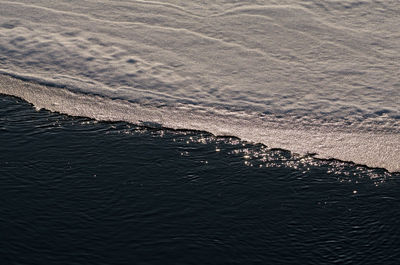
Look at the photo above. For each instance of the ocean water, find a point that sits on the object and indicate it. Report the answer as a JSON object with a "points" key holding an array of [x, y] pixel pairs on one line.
{"points": [[79, 191], [199, 132]]}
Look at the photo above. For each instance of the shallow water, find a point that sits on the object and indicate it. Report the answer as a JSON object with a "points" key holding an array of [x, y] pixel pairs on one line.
{"points": [[78, 191]]}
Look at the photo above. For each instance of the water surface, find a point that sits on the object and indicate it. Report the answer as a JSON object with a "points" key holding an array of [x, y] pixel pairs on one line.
{"points": [[78, 191]]}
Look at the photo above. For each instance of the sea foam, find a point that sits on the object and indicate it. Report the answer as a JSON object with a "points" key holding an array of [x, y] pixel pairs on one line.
{"points": [[308, 76]]}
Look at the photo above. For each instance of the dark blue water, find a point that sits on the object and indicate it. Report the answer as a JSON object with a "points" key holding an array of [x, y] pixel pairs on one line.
{"points": [[76, 191]]}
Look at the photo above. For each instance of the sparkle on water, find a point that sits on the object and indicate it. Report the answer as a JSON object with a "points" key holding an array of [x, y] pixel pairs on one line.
{"points": [[259, 155]]}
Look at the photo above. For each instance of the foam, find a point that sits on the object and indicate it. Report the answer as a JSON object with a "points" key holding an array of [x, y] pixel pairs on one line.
{"points": [[304, 67], [362, 147]]}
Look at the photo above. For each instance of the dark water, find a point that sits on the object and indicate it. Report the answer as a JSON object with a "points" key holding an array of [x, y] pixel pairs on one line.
{"points": [[74, 191]]}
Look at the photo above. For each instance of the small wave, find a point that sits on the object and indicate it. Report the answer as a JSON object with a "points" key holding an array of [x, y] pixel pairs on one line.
{"points": [[373, 149]]}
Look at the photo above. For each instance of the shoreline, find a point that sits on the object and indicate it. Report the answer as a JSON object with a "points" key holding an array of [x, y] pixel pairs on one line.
{"points": [[157, 127]]}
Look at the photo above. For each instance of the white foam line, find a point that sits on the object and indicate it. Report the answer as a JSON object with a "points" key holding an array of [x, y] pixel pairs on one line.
{"points": [[380, 150]]}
